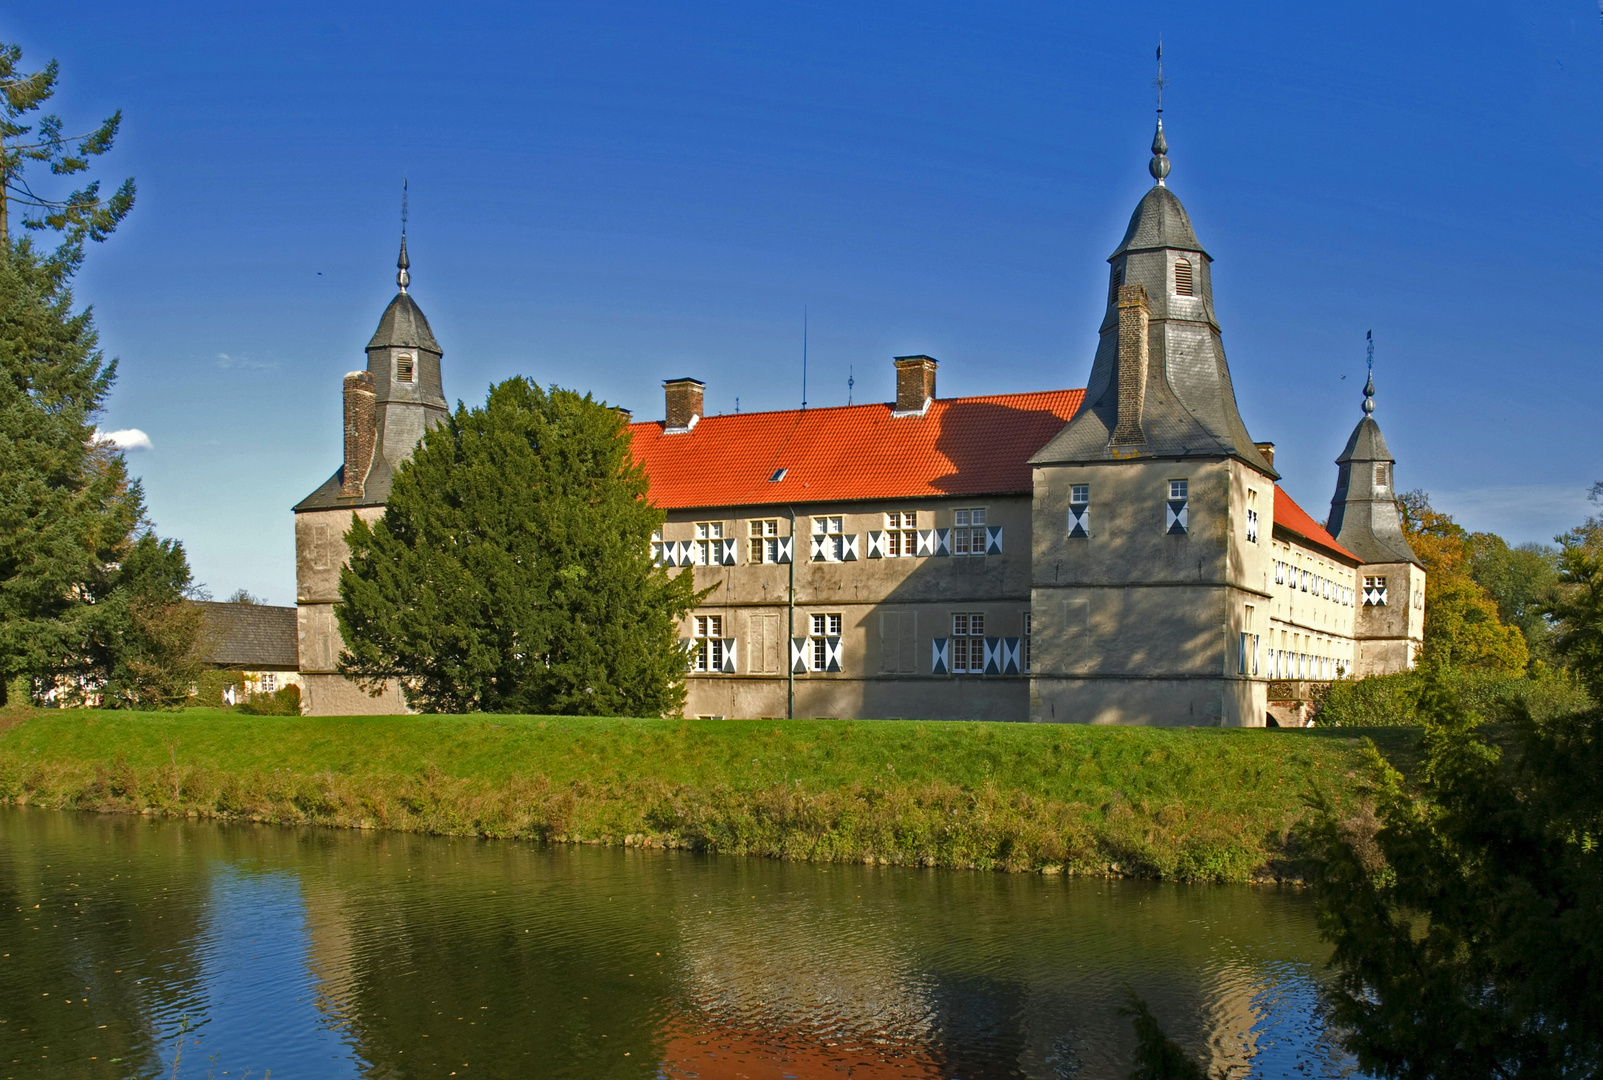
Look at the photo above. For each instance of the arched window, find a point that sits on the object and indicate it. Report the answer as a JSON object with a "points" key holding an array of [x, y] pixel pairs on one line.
{"points": [[1182, 277]]}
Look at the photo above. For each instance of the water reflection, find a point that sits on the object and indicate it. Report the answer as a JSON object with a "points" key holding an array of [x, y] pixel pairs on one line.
{"points": [[332, 954]]}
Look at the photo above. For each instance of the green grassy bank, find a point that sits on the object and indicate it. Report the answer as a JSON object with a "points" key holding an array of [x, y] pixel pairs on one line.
{"points": [[1191, 804]]}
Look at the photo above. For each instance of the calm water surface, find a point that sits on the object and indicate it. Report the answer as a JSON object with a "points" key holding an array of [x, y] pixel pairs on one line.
{"points": [[328, 954]]}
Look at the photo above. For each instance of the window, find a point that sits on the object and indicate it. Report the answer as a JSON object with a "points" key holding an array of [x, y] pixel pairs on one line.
{"points": [[708, 547], [1252, 517], [403, 368], [268, 683], [828, 543], [968, 642], [1182, 277], [1026, 641], [1080, 510], [1280, 572], [1382, 476], [1374, 592], [764, 540], [1114, 282], [656, 546], [825, 643], [968, 532], [901, 533], [1175, 519], [708, 649]]}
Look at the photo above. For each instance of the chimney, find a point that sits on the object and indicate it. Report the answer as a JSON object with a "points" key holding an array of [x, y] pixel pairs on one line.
{"points": [[683, 403], [1133, 316], [627, 415], [361, 431], [1267, 449], [915, 384]]}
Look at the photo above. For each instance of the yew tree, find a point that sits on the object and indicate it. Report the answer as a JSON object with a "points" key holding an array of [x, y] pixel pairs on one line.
{"points": [[511, 569]]}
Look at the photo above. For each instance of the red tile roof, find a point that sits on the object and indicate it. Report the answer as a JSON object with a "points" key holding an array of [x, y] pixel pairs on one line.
{"points": [[1293, 518], [960, 446]]}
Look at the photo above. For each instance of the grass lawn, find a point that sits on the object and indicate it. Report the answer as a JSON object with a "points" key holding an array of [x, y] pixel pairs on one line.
{"points": [[1195, 803]]}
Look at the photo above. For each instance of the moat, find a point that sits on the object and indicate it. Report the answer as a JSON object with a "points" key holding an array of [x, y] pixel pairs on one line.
{"points": [[328, 954]]}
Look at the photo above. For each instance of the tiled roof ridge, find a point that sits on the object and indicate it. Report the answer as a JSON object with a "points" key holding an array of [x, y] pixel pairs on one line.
{"points": [[886, 405], [1289, 515]]}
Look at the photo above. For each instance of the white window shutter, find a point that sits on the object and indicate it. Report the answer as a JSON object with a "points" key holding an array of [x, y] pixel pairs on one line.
{"points": [[729, 655], [993, 540], [728, 553], [939, 657], [1010, 656], [1079, 520], [832, 654], [876, 544], [926, 542], [849, 548], [943, 541], [820, 549], [993, 656], [786, 548], [1176, 516], [798, 654], [689, 645]]}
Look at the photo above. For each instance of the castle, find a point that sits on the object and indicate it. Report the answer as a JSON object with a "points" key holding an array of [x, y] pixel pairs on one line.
{"points": [[1118, 554]]}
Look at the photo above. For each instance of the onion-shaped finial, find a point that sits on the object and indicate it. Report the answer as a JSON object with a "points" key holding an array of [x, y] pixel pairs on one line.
{"points": [[1159, 165]]}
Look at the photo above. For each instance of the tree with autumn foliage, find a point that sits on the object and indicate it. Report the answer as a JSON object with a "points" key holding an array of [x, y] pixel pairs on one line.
{"points": [[1462, 625]]}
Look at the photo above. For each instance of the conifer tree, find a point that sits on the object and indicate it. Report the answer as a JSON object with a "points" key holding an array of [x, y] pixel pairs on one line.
{"points": [[87, 594], [511, 571]]}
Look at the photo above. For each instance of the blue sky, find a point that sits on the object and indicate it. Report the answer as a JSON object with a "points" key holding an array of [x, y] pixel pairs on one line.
{"points": [[607, 195]]}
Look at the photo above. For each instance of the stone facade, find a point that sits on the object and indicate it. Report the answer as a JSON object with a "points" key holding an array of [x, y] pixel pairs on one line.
{"points": [[1121, 554]]}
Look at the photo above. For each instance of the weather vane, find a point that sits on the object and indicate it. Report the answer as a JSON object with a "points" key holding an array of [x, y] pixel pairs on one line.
{"points": [[1369, 386], [1160, 82], [403, 265]]}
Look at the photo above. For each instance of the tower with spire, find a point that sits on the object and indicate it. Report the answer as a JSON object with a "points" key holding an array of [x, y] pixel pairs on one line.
{"points": [[1149, 557], [389, 406], [1363, 517]]}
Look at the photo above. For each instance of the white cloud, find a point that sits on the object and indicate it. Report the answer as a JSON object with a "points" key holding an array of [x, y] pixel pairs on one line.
{"points": [[226, 362], [126, 439]]}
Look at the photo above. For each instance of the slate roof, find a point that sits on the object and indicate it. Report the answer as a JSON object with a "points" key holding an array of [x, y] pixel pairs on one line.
{"points": [[1159, 221], [403, 326], [1294, 519], [960, 446], [252, 637]]}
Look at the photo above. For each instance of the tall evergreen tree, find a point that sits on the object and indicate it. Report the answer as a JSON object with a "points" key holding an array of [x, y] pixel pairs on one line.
{"points": [[511, 569], [88, 595]]}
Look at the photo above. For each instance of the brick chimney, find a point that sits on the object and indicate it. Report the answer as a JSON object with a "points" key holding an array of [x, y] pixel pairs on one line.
{"points": [[915, 384], [1267, 449], [683, 403], [361, 431], [1133, 316]]}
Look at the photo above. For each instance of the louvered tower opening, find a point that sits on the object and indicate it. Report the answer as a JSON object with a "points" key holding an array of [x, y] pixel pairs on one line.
{"points": [[1114, 283], [1182, 278]]}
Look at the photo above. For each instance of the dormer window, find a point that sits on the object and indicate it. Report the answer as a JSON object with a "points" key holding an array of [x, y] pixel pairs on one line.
{"points": [[1182, 278], [403, 369]]}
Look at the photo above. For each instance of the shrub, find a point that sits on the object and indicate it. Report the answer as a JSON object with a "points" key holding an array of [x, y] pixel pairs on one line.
{"points": [[1393, 700], [285, 701]]}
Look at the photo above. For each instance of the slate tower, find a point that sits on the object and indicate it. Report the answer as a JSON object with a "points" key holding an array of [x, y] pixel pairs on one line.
{"points": [[1149, 505], [388, 407], [1363, 516]]}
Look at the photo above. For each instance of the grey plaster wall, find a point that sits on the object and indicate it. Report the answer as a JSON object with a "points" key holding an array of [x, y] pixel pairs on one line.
{"points": [[892, 609], [1151, 620]]}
